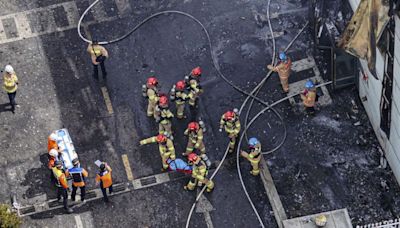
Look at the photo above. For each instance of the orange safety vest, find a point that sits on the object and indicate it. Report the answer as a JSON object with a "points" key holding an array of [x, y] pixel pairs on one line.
{"points": [[105, 178]]}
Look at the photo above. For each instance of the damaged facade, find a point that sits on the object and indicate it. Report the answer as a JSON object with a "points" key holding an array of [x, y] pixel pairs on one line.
{"points": [[381, 96]]}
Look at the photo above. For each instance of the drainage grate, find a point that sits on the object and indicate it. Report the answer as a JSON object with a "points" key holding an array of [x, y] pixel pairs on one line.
{"points": [[119, 188], [147, 181], [54, 203], [90, 195]]}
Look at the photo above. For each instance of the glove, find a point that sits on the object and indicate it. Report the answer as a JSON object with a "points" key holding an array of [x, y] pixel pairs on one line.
{"points": [[142, 142], [196, 145]]}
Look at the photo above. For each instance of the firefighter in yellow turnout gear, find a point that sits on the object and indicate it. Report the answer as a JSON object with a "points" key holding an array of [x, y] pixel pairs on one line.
{"points": [[254, 156], [163, 116], [150, 91], [230, 121], [179, 95], [199, 173], [165, 146], [194, 87], [195, 138]]}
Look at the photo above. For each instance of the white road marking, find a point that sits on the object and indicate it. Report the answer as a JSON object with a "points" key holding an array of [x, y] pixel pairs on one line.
{"points": [[204, 206], [78, 221], [72, 13], [99, 12], [2, 32], [22, 23]]}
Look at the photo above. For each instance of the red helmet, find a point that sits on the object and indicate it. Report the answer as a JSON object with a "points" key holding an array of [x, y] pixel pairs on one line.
{"points": [[163, 101], [161, 138], [152, 81], [192, 157], [196, 71], [193, 126], [180, 85], [229, 115]]}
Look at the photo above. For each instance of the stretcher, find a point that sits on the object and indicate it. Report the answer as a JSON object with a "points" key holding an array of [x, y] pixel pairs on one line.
{"points": [[179, 165], [66, 147]]}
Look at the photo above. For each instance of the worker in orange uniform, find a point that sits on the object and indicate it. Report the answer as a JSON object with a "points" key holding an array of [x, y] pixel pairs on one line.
{"points": [[98, 54], [163, 116], [284, 69], [194, 89], [199, 174], [10, 85], [78, 175], [309, 96], [52, 141], [62, 185], [254, 155], [105, 179], [230, 121], [178, 94], [165, 147], [195, 138], [54, 155], [150, 91]]}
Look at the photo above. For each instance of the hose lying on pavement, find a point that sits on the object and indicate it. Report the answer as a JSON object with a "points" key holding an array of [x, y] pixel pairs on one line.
{"points": [[251, 95]]}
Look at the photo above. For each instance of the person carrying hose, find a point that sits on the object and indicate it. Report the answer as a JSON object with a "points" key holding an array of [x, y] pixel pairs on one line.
{"points": [[165, 146], [230, 121], [284, 69], [199, 174], [254, 156], [150, 91]]}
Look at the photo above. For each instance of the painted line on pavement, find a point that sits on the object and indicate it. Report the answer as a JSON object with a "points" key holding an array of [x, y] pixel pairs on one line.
{"points": [[78, 221], [107, 100], [127, 166]]}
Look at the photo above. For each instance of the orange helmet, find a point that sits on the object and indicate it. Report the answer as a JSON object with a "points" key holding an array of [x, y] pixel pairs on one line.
{"points": [[163, 101], [193, 126], [192, 157], [161, 138], [229, 115], [196, 71], [180, 85], [152, 81]]}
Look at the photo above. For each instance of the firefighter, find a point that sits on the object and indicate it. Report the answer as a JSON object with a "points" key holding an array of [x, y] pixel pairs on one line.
{"points": [[105, 180], [150, 91], [230, 121], [199, 173], [254, 156], [163, 116], [178, 94], [194, 88], [98, 55], [308, 96], [165, 146], [62, 185], [195, 138], [78, 175], [284, 69]]}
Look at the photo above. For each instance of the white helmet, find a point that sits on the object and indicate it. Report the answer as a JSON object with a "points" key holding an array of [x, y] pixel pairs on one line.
{"points": [[53, 152], [53, 136], [9, 69]]}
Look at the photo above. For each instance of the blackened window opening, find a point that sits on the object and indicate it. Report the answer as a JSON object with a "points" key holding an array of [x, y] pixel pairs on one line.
{"points": [[387, 49]]}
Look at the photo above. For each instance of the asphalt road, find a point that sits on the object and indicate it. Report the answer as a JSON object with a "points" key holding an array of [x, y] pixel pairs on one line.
{"points": [[57, 91]]}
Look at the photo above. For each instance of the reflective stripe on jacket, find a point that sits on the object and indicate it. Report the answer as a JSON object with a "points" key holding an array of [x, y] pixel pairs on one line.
{"points": [[78, 175]]}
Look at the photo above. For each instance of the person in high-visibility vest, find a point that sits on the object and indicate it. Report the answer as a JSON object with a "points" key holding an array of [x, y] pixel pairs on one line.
{"points": [[309, 96], [254, 155], [165, 146], [195, 138], [150, 91], [284, 68], [105, 179], [178, 94], [10, 85], [78, 175], [231, 123], [61, 184], [98, 54], [199, 174], [163, 116]]}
